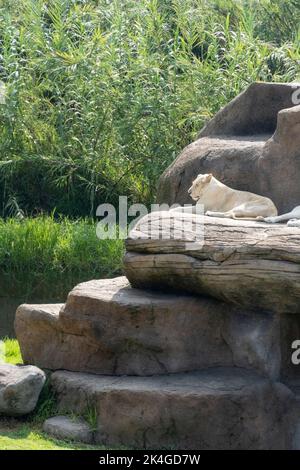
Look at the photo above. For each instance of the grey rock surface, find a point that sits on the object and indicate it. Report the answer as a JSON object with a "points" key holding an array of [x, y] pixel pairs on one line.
{"points": [[70, 429], [219, 408], [20, 387], [107, 327]]}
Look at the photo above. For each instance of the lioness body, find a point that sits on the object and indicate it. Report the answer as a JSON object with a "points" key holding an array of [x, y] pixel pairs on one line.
{"points": [[221, 201]]}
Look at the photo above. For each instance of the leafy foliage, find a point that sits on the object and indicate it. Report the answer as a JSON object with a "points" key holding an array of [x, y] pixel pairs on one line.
{"points": [[101, 95]]}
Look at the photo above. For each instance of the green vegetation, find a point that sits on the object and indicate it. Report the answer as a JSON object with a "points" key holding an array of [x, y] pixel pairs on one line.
{"points": [[12, 351], [102, 94], [15, 435], [91, 417], [43, 257], [25, 433]]}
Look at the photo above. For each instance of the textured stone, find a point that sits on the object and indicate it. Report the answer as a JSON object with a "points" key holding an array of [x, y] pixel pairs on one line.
{"points": [[242, 262], [37, 326], [20, 387], [73, 429], [212, 409], [294, 386], [279, 165], [106, 327], [245, 148]]}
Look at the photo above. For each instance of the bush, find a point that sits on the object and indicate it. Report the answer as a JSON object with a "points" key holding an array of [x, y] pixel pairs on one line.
{"points": [[102, 95], [41, 257]]}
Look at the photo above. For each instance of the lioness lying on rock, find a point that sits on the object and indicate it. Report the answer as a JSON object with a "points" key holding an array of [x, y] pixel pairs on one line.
{"points": [[221, 201]]}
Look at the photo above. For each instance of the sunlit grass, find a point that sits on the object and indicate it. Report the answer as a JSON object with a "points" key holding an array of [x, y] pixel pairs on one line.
{"points": [[17, 436], [12, 353]]}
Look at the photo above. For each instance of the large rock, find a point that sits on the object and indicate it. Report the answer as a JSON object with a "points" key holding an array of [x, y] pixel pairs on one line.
{"points": [[37, 328], [251, 144], [20, 387], [241, 262], [107, 327], [212, 409]]}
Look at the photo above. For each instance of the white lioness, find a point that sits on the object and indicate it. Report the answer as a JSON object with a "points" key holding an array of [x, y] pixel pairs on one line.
{"points": [[221, 201]]}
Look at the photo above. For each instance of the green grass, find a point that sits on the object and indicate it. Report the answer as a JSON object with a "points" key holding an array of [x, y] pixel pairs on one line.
{"points": [[102, 95], [12, 353], [43, 257], [16, 435]]}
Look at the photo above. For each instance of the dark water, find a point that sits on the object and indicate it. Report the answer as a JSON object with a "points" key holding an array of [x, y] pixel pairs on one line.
{"points": [[39, 290], [8, 307], [31, 289]]}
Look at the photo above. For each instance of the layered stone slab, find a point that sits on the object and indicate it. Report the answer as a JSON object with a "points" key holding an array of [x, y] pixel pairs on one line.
{"points": [[253, 264], [219, 408], [107, 327]]}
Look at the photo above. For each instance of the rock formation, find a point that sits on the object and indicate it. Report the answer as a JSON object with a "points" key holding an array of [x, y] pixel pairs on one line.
{"points": [[194, 353], [217, 367], [107, 327]]}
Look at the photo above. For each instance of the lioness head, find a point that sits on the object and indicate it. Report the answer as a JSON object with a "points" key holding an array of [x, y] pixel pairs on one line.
{"points": [[198, 186]]}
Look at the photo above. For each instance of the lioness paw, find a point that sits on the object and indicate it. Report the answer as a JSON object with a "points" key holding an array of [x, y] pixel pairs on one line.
{"points": [[294, 223]]}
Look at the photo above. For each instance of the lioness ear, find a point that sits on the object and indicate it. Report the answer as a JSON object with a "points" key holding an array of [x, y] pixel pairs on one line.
{"points": [[208, 177], [198, 178]]}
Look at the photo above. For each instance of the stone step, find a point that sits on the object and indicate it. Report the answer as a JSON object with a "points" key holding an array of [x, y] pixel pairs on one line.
{"points": [[69, 428], [107, 327], [217, 408]]}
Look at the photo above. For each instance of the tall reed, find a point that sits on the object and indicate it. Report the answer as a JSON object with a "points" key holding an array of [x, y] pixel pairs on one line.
{"points": [[102, 94]]}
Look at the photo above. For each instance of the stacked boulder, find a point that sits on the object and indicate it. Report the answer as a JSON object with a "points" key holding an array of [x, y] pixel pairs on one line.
{"points": [[192, 349], [168, 368]]}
